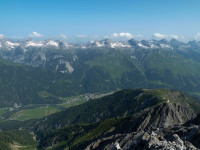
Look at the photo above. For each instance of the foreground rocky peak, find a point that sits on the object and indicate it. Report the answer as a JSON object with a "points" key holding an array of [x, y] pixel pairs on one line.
{"points": [[142, 141], [165, 115], [159, 127]]}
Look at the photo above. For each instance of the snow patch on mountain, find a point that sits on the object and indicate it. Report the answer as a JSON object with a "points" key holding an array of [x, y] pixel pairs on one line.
{"points": [[67, 45], [141, 45], [99, 44], [51, 43], [119, 44], [11, 45], [34, 44], [165, 46]]}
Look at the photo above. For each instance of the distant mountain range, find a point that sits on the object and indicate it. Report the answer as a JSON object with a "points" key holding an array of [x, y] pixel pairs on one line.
{"points": [[60, 69], [132, 43], [62, 56]]}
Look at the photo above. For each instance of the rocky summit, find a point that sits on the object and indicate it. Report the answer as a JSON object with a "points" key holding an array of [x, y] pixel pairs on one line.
{"points": [[160, 127], [166, 115]]}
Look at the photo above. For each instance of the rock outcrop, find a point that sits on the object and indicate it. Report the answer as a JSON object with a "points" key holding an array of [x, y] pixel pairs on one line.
{"points": [[158, 128], [165, 115], [142, 141]]}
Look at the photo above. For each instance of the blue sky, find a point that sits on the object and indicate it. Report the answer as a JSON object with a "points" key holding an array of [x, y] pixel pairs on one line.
{"points": [[82, 20]]}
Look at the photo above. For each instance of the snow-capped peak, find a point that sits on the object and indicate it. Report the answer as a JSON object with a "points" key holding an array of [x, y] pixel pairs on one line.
{"points": [[10, 44], [119, 44], [108, 43], [141, 45], [34, 44], [51, 43], [68, 45]]}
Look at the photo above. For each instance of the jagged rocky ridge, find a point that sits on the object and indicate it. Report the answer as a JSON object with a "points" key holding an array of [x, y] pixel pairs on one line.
{"points": [[161, 127]]}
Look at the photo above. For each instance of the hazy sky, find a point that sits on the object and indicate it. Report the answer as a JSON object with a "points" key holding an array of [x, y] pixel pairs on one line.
{"points": [[79, 20]]}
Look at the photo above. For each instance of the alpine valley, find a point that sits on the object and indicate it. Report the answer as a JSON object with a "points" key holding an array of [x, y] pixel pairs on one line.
{"points": [[102, 95]]}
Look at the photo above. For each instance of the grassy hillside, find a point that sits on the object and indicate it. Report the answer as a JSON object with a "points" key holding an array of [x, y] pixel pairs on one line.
{"points": [[114, 62], [25, 85], [35, 113], [123, 72], [78, 136], [122, 103], [170, 70], [22, 140], [142, 68]]}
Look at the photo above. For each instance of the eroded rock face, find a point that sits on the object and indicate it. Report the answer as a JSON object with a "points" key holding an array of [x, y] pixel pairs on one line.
{"points": [[142, 141], [157, 128], [166, 115]]}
